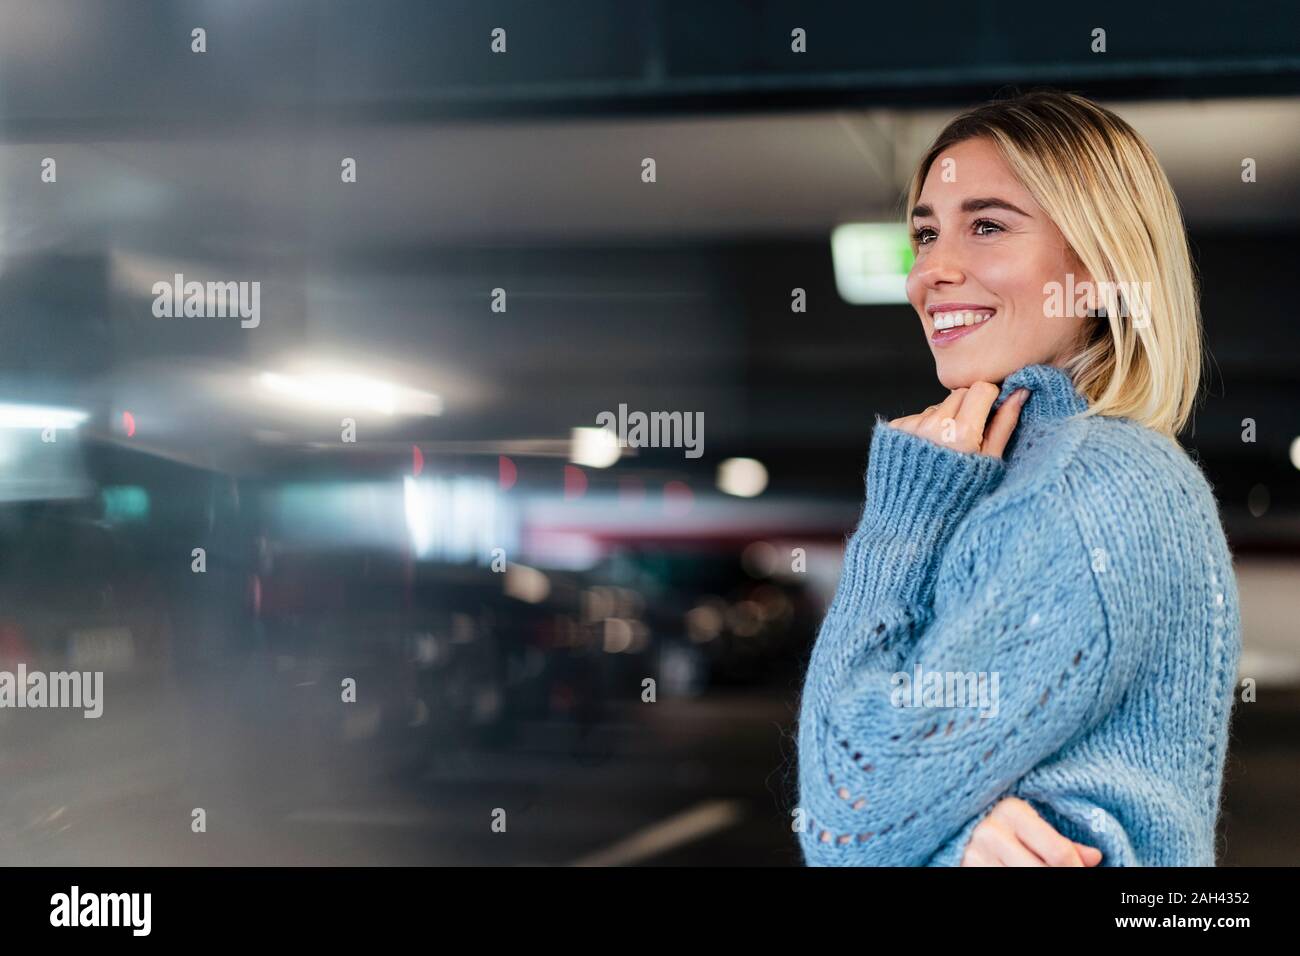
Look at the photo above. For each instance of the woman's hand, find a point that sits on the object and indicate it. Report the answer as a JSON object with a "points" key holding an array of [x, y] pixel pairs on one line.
{"points": [[1013, 834], [961, 421]]}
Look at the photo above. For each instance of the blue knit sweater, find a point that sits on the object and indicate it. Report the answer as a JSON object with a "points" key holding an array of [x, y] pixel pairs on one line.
{"points": [[1059, 625]]}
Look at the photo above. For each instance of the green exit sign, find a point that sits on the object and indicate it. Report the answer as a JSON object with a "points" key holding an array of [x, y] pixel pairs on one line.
{"points": [[872, 260]]}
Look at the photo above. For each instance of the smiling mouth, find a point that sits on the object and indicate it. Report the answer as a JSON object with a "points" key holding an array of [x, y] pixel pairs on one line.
{"points": [[955, 319], [955, 323]]}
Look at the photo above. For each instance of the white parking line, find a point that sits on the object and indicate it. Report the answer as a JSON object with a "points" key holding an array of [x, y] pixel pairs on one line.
{"points": [[693, 824]]}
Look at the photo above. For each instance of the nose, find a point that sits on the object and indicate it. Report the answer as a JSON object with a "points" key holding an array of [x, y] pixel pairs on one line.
{"points": [[940, 265]]}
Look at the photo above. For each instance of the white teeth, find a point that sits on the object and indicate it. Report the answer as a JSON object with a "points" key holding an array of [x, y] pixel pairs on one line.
{"points": [[950, 320]]}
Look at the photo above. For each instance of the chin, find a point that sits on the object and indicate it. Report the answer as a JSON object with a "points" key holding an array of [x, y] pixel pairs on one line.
{"points": [[954, 375], [962, 372]]}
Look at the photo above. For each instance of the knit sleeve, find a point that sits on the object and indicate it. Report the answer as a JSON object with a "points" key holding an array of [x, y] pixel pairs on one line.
{"points": [[917, 492], [951, 853], [947, 673]]}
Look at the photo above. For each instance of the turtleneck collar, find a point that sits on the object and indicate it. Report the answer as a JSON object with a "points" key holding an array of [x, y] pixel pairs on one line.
{"points": [[1051, 393]]}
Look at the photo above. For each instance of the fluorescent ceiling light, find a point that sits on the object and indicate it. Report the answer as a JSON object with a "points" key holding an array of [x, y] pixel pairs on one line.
{"points": [[347, 390], [40, 416]]}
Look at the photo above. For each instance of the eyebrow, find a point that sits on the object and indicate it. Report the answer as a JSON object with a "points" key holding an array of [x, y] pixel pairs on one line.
{"points": [[923, 210]]}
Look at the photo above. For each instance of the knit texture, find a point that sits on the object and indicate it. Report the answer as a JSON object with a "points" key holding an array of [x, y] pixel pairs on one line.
{"points": [[1085, 580]]}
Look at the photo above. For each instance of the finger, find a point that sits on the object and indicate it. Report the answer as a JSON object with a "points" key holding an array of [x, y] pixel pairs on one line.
{"points": [[949, 406], [974, 412], [933, 421], [1014, 853], [998, 838], [976, 857], [918, 417], [1041, 837], [1004, 423], [1090, 854], [913, 421]]}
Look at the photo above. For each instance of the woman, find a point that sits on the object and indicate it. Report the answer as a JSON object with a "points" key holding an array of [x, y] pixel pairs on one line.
{"points": [[1030, 657]]}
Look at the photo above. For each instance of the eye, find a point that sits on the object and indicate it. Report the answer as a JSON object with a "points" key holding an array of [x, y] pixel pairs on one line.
{"points": [[981, 223], [918, 235]]}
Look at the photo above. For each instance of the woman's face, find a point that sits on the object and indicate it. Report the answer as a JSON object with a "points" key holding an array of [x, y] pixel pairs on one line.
{"points": [[985, 252]]}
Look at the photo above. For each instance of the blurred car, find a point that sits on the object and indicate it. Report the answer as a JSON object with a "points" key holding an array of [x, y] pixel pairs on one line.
{"points": [[712, 621], [76, 594]]}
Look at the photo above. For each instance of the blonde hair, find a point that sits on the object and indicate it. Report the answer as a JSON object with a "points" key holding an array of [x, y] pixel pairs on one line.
{"points": [[1104, 189]]}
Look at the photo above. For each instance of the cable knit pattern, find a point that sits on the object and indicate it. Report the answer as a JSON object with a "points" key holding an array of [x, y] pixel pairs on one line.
{"points": [[1085, 578]]}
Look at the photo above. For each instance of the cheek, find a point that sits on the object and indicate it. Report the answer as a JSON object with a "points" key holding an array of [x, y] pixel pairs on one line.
{"points": [[1031, 333], [915, 290], [1018, 287]]}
